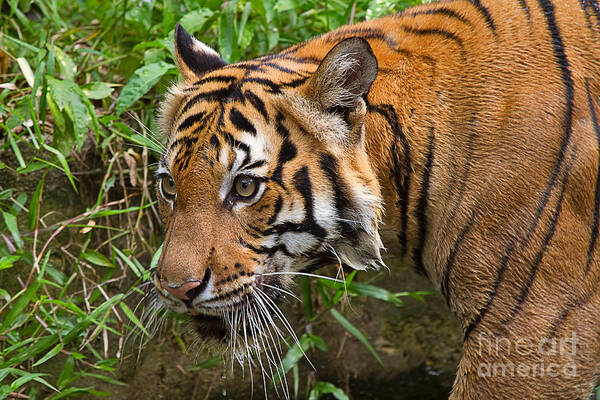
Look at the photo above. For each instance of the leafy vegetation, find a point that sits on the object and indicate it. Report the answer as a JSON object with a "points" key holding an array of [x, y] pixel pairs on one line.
{"points": [[80, 83]]}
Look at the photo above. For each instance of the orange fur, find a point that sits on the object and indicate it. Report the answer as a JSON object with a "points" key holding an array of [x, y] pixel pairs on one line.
{"points": [[479, 138]]}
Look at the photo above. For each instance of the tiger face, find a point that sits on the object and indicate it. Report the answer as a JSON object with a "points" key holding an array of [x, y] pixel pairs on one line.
{"points": [[265, 174]]}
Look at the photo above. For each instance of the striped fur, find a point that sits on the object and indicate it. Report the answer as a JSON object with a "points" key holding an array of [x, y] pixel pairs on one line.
{"points": [[480, 139]]}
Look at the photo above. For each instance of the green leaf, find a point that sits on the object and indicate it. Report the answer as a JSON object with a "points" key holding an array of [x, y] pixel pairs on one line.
{"points": [[16, 150], [128, 260], [141, 82], [55, 350], [226, 35], [8, 261], [321, 388], [141, 14], [28, 377], [18, 307], [143, 141], [207, 364], [63, 162], [242, 28], [104, 378], [418, 295], [34, 205], [5, 295], [97, 90], [66, 373], [97, 258], [156, 257], [356, 332], [65, 64], [376, 293], [11, 223], [306, 296], [294, 354], [193, 21], [76, 391], [91, 318], [69, 98], [317, 342], [133, 318], [39, 346]]}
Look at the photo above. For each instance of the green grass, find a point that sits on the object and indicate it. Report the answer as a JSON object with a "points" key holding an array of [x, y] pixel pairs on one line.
{"points": [[80, 84]]}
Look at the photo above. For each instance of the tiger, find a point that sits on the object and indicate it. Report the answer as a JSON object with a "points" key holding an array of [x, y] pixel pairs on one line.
{"points": [[459, 137]]}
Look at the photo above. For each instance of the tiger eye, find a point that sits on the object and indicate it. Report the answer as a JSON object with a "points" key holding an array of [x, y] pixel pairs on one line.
{"points": [[167, 187], [245, 186]]}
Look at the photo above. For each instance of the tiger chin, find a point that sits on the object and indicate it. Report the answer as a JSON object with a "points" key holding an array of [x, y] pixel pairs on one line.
{"points": [[473, 124]]}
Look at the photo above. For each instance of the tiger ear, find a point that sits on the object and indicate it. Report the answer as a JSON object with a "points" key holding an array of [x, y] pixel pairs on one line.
{"points": [[344, 76], [194, 58]]}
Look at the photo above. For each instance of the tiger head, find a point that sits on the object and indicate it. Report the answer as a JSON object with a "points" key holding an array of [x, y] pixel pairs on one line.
{"points": [[264, 174]]}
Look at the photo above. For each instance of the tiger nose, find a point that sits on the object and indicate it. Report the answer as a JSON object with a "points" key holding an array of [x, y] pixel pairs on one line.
{"points": [[188, 290]]}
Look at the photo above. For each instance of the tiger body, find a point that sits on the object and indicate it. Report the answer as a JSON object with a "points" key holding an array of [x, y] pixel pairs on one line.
{"points": [[474, 153]]}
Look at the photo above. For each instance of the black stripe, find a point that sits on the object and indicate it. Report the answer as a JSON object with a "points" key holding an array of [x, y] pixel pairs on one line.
{"points": [[286, 55], [594, 235], [212, 79], [421, 207], [401, 181], [486, 14], [185, 141], [255, 164], [191, 120], [584, 5], [287, 151], [445, 283], [212, 95], [221, 117], [401, 175], [363, 33], [214, 141], [183, 159], [446, 12], [273, 87], [276, 210], [295, 82], [249, 232], [241, 122], [538, 258], [503, 264], [303, 59], [427, 59], [341, 198], [279, 67], [563, 64], [257, 103], [303, 185], [236, 144], [437, 32], [525, 8], [596, 10]]}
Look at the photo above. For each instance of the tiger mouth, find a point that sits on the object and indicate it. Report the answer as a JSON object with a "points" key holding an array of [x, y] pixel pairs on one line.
{"points": [[216, 321], [211, 326]]}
